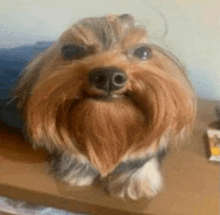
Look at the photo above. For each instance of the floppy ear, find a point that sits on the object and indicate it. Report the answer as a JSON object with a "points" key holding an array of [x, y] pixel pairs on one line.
{"points": [[127, 22], [28, 78], [127, 19], [169, 63]]}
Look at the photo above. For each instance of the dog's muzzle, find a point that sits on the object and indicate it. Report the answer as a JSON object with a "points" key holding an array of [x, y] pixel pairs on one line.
{"points": [[107, 78]]}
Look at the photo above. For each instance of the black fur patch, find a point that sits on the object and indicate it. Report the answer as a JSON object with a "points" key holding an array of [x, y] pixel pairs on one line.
{"points": [[63, 165], [161, 155], [130, 165], [133, 165]]}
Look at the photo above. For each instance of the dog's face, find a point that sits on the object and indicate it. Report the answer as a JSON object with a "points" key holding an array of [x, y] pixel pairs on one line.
{"points": [[103, 92]]}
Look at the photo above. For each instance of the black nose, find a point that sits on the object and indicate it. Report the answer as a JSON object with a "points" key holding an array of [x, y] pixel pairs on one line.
{"points": [[107, 79]]}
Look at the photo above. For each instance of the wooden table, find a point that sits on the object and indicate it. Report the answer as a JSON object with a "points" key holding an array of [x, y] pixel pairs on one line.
{"points": [[192, 182]]}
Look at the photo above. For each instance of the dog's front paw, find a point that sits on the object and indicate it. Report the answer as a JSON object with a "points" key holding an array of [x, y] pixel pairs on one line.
{"points": [[135, 188], [79, 181], [145, 182], [72, 170]]}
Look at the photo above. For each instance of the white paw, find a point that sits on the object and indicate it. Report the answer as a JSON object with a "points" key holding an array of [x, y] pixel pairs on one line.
{"points": [[146, 182], [80, 181], [150, 175]]}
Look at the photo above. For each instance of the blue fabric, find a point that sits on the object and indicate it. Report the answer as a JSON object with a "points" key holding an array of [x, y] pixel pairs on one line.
{"points": [[9, 114], [12, 62]]}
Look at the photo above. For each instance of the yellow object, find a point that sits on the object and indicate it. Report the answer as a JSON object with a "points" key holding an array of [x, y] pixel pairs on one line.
{"points": [[215, 151]]}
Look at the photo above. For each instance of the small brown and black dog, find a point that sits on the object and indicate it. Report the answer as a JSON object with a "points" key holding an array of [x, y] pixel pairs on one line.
{"points": [[106, 103]]}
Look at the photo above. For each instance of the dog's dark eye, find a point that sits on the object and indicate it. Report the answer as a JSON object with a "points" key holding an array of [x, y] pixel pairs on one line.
{"points": [[142, 53], [73, 51]]}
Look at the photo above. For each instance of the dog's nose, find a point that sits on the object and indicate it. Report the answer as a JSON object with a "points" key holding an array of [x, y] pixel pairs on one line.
{"points": [[107, 79]]}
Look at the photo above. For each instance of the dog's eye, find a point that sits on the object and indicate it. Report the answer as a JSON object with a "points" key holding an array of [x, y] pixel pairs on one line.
{"points": [[73, 51], [142, 53]]}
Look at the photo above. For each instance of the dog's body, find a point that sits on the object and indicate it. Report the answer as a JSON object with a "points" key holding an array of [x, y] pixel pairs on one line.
{"points": [[106, 104]]}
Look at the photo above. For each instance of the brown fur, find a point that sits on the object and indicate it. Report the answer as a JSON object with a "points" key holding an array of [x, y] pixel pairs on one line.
{"points": [[60, 113]]}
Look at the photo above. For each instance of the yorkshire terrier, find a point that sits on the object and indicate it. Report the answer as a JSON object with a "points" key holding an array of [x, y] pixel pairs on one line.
{"points": [[106, 104]]}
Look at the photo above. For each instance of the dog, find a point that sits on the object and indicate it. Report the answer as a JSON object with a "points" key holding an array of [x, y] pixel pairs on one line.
{"points": [[106, 104]]}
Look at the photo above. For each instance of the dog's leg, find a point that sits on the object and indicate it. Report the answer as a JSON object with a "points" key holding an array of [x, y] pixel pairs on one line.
{"points": [[135, 179], [72, 170], [161, 155]]}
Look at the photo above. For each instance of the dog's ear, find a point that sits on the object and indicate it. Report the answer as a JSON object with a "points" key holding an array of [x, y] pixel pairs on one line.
{"points": [[28, 77], [127, 18], [166, 61], [127, 21], [169, 62]]}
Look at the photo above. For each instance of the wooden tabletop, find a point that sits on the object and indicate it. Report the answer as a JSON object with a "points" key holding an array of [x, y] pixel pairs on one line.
{"points": [[191, 180]]}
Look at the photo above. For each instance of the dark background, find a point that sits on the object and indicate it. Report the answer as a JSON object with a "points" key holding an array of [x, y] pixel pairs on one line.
{"points": [[12, 62]]}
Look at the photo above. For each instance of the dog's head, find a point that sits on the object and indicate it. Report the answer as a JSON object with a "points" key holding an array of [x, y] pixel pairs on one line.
{"points": [[103, 91]]}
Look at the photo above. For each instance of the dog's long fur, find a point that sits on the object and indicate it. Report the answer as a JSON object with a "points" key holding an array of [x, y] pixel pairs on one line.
{"points": [[116, 139]]}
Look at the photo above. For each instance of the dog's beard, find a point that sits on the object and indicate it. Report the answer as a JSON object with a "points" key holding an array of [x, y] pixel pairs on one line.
{"points": [[105, 130]]}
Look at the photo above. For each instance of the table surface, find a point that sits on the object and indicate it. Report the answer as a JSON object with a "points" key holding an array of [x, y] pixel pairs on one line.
{"points": [[191, 180]]}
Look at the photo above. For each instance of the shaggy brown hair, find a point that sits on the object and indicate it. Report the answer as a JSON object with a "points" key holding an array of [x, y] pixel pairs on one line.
{"points": [[59, 105]]}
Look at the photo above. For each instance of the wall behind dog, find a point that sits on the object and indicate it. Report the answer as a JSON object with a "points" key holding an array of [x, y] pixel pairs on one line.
{"points": [[189, 28]]}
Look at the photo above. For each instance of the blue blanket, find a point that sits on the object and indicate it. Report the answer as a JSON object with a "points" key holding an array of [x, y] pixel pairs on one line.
{"points": [[12, 62]]}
